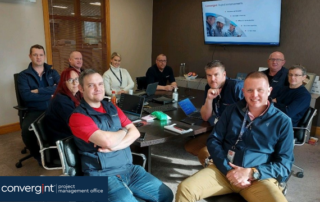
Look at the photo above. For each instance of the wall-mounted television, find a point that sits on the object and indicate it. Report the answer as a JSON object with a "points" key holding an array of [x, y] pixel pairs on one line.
{"points": [[242, 22]]}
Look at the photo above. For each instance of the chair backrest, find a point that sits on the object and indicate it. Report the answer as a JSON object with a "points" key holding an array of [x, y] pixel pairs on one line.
{"points": [[70, 158], [141, 82], [21, 107], [302, 129], [49, 153]]}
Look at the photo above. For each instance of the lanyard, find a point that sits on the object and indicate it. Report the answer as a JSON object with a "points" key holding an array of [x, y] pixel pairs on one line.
{"points": [[120, 80], [243, 129]]}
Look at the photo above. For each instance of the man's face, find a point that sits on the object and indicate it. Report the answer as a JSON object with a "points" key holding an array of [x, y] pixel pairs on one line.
{"points": [[161, 62], [75, 60], [296, 77], [216, 77], [220, 25], [276, 61], [93, 88], [256, 92], [73, 83], [232, 28], [211, 20], [37, 57]]}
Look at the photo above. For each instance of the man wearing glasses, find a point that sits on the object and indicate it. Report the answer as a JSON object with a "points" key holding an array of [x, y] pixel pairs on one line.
{"points": [[162, 74], [276, 73], [294, 100]]}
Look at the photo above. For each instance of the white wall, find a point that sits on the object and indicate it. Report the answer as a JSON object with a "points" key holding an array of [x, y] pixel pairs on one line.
{"points": [[22, 26]]}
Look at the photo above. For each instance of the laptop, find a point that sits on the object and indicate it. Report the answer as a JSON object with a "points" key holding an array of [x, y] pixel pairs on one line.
{"points": [[193, 114], [131, 105], [148, 94]]}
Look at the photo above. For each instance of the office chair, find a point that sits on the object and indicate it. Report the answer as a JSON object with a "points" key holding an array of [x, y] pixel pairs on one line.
{"points": [[301, 133], [141, 83], [21, 113], [49, 154]]}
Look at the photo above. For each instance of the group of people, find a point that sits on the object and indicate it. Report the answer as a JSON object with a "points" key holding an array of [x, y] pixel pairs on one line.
{"points": [[250, 148], [215, 26]]}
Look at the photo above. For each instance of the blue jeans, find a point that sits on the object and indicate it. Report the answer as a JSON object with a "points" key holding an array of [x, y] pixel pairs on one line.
{"points": [[137, 183]]}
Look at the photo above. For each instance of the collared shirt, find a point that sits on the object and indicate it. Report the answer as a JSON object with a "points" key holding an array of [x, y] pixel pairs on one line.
{"points": [[251, 115]]}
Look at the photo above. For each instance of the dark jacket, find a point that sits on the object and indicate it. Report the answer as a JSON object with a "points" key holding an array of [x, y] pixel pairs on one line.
{"points": [[29, 80], [57, 117], [93, 162], [277, 81], [266, 145], [154, 75]]}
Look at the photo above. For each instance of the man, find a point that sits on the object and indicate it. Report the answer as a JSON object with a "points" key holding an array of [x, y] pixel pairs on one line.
{"points": [[220, 92], [276, 72], [251, 147], [211, 18], [103, 135], [294, 100], [161, 73], [75, 61], [36, 85], [218, 30], [232, 30]]}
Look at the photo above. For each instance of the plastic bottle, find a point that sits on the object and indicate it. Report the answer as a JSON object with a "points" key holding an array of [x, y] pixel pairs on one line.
{"points": [[175, 95], [114, 98], [182, 69]]}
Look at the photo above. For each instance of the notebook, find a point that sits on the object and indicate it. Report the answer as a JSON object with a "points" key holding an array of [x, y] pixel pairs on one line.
{"points": [[193, 114], [131, 105], [149, 92]]}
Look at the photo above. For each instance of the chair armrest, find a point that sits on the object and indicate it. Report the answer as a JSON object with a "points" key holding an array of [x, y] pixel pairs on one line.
{"points": [[144, 159], [20, 108]]}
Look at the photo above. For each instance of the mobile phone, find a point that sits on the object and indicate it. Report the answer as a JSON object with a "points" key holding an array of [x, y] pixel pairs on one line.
{"points": [[142, 136]]}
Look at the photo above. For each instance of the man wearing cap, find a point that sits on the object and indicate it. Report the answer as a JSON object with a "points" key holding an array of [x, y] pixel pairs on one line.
{"points": [[211, 18], [232, 31], [218, 30]]}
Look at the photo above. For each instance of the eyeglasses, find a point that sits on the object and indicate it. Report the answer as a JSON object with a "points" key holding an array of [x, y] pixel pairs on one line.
{"points": [[161, 60], [294, 75], [276, 59], [76, 80]]}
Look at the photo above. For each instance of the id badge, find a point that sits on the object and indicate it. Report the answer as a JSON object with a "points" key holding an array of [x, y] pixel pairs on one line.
{"points": [[231, 155], [216, 120]]}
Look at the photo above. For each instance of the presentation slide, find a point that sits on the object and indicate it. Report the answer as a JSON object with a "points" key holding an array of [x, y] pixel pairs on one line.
{"points": [[249, 22]]}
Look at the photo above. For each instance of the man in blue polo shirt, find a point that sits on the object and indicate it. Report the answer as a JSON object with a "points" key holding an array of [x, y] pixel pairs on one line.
{"points": [[162, 74], [276, 72]]}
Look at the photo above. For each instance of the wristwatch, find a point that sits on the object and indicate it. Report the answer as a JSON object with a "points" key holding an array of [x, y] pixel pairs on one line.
{"points": [[124, 129], [255, 174]]}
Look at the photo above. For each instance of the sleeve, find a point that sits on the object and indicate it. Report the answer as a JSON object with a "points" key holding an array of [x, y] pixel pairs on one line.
{"points": [[107, 81], [150, 76], [171, 76], [282, 158], [205, 93], [123, 118], [82, 126], [238, 91], [52, 87], [64, 107], [25, 90], [215, 142], [129, 81]]}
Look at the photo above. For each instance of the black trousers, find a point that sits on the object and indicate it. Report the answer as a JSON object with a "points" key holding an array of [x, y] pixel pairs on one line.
{"points": [[28, 137]]}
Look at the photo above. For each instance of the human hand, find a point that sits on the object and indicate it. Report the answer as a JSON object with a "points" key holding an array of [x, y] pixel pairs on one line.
{"points": [[239, 176], [35, 91], [213, 93], [168, 88], [121, 91], [104, 150]]}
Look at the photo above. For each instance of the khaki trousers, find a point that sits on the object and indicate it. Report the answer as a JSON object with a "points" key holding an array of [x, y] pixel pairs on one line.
{"points": [[211, 182]]}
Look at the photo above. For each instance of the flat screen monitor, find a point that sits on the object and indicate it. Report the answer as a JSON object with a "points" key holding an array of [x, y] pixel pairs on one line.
{"points": [[242, 22]]}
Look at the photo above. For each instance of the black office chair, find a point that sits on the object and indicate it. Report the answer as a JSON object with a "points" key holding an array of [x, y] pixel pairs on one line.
{"points": [[21, 113], [141, 83], [301, 132], [49, 154]]}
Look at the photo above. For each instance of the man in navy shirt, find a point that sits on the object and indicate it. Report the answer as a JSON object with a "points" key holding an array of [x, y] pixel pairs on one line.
{"points": [[276, 72], [162, 74]]}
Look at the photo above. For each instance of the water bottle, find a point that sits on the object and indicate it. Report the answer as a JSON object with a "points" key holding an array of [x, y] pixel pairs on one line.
{"points": [[182, 69], [175, 95], [114, 98]]}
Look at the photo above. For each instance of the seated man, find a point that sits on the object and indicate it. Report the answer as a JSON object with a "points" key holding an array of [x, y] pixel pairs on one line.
{"points": [[220, 92], [276, 72], [103, 135], [75, 61], [36, 86], [294, 100], [161, 73], [251, 147]]}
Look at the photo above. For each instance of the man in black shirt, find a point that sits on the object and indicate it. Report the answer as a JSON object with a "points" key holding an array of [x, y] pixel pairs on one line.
{"points": [[161, 73]]}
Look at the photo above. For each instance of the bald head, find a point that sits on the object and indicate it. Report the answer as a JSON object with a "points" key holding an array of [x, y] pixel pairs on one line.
{"points": [[276, 61], [75, 60]]}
